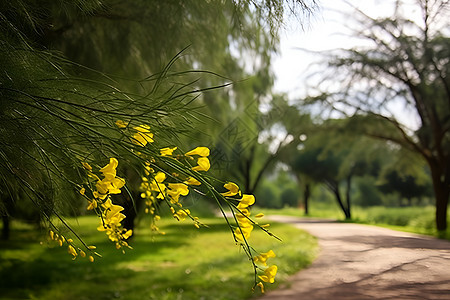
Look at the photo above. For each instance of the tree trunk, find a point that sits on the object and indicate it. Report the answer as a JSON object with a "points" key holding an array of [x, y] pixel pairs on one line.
{"points": [[335, 189], [347, 195], [441, 189], [306, 194]]}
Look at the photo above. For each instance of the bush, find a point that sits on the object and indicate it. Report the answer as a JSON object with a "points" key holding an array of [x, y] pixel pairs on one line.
{"points": [[367, 194], [267, 197], [289, 197]]}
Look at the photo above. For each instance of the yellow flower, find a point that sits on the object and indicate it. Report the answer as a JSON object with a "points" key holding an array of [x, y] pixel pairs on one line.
{"points": [[167, 151], [99, 195], [92, 205], [91, 258], [182, 214], [260, 215], [72, 251], [203, 164], [121, 124], [82, 191], [202, 151], [192, 181], [127, 234], [115, 185], [160, 177], [243, 215], [243, 231], [261, 285], [109, 171], [232, 188], [86, 166], [142, 135], [177, 189], [246, 201], [262, 258], [102, 186], [269, 274]]}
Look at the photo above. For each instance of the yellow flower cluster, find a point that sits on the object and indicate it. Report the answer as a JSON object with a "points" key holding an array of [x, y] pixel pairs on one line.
{"points": [[270, 272], [75, 252], [245, 227], [157, 186], [109, 213]]}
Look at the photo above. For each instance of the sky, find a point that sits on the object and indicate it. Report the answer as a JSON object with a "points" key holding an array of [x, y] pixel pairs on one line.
{"points": [[324, 30]]}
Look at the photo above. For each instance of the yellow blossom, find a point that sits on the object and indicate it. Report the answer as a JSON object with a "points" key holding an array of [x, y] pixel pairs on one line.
{"points": [[182, 214], [167, 151], [192, 181], [82, 191], [127, 234], [203, 164], [269, 274], [91, 258], [246, 201], [243, 231], [233, 189], [87, 166], [92, 205], [262, 258], [121, 124], [260, 215], [261, 285], [142, 135], [115, 185], [201, 151], [72, 251], [177, 189], [160, 177], [109, 171]]}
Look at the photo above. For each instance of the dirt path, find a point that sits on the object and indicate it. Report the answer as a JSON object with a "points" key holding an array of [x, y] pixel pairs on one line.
{"points": [[367, 262]]}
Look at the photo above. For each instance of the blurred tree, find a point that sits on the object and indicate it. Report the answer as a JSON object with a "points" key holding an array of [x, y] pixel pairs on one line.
{"points": [[404, 62], [289, 197], [333, 157], [406, 175], [405, 186]]}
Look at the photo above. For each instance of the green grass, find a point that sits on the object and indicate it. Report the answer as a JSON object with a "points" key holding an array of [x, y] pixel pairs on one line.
{"points": [[415, 219], [186, 263]]}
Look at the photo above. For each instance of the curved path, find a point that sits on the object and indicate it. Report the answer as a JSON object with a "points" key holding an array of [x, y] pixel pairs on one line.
{"points": [[367, 262]]}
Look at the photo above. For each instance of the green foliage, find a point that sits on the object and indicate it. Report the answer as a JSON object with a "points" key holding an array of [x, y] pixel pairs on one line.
{"points": [[268, 196], [289, 197], [185, 263], [367, 193]]}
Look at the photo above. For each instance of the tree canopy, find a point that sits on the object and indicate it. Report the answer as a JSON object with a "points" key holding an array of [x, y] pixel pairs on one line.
{"points": [[404, 62]]}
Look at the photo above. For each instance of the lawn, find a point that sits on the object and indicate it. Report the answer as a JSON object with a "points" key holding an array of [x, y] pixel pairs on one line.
{"points": [[185, 263]]}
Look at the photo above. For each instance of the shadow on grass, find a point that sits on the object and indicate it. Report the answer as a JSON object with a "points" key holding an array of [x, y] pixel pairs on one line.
{"points": [[37, 270]]}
